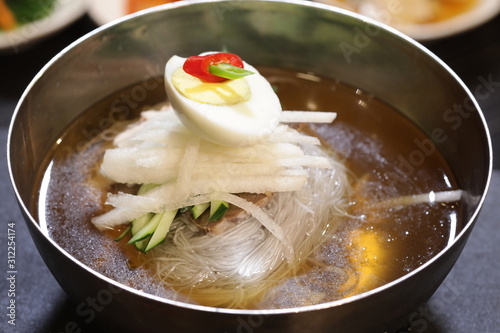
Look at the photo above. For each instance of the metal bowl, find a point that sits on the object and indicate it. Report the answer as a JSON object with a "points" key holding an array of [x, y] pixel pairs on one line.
{"points": [[301, 36]]}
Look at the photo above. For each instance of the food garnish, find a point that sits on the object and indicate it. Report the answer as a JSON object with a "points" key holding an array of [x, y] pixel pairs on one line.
{"points": [[226, 92], [237, 112], [216, 67]]}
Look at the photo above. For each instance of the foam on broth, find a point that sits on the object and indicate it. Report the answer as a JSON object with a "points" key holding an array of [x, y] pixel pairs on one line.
{"points": [[374, 247]]}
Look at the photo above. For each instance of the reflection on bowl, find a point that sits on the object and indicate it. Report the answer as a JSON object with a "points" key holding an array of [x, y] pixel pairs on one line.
{"points": [[293, 37]]}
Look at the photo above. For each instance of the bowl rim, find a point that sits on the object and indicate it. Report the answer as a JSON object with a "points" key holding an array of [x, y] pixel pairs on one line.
{"points": [[189, 306]]}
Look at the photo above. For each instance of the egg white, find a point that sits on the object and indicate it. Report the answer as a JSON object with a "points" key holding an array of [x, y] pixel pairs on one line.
{"points": [[242, 124]]}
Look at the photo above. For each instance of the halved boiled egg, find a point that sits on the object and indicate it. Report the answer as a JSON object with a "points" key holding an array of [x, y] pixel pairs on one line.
{"points": [[237, 112]]}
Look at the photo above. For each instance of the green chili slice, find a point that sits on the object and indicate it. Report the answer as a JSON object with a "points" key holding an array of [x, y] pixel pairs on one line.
{"points": [[228, 71]]}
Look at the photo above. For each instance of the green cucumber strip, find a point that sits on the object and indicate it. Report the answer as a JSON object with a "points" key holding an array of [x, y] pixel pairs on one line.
{"points": [[198, 209], [145, 188], [228, 71], [124, 233], [162, 230], [148, 229], [141, 245], [217, 209], [138, 223]]}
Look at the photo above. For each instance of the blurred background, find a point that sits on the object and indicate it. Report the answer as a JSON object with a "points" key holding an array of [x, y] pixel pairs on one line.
{"points": [[463, 33]]}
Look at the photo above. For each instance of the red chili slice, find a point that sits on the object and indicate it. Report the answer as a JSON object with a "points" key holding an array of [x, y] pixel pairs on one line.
{"points": [[198, 66]]}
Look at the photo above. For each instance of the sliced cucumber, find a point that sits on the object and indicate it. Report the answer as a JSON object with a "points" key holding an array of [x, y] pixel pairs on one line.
{"points": [[141, 245], [197, 210], [144, 227], [162, 230], [217, 209], [124, 233], [148, 229], [138, 223]]}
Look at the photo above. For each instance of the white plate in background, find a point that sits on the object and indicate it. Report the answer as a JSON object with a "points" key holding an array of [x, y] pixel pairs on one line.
{"points": [[105, 11], [64, 13]]}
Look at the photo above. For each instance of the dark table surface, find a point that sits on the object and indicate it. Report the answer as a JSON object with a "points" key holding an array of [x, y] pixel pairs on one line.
{"points": [[467, 301]]}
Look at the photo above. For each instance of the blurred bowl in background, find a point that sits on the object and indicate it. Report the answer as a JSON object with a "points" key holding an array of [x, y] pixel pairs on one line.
{"points": [[63, 14]]}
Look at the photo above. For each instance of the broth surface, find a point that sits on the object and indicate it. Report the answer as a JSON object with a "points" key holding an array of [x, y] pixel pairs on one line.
{"points": [[380, 147]]}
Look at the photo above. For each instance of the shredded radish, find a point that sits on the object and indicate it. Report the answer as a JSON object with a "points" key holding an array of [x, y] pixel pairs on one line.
{"points": [[260, 215], [188, 163], [284, 133], [115, 217], [307, 117], [158, 169], [160, 164], [118, 215], [164, 197]]}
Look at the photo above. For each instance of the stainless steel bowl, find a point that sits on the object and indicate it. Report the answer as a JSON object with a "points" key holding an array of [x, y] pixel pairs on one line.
{"points": [[297, 35]]}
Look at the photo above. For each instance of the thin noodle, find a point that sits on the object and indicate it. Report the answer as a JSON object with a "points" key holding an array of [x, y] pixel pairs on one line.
{"points": [[238, 267]]}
